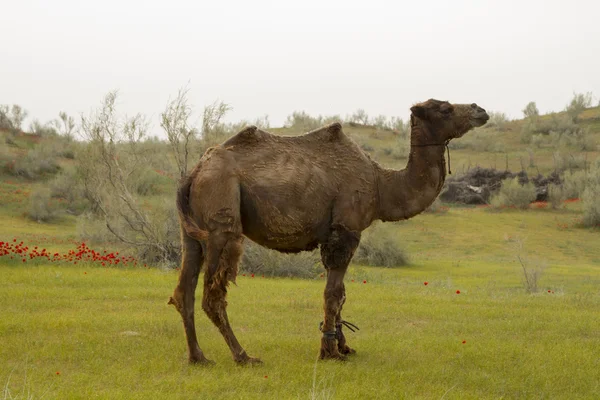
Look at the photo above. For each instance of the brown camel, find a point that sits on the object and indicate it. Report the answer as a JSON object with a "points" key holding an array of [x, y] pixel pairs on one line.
{"points": [[296, 193]]}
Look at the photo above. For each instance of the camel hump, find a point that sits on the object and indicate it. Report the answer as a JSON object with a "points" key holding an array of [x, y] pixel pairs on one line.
{"points": [[329, 132], [250, 130], [248, 135]]}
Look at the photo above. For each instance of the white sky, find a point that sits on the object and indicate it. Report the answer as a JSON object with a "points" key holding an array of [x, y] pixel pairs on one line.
{"points": [[274, 57]]}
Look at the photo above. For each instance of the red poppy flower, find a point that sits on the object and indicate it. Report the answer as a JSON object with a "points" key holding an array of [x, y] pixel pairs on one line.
{"points": [[266, 376], [364, 281], [252, 275], [57, 373], [549, 291], [458, 292], [464, 341], [425, 283]]}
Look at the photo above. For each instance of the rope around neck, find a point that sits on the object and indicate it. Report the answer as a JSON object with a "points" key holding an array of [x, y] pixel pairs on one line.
{"points": [[437, 144]]}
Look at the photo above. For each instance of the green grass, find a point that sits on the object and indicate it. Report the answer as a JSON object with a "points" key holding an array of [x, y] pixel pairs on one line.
{"points": [[78, 321]]}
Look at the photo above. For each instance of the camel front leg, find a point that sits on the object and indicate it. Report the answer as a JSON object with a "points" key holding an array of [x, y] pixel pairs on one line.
{"points": [[342, 346], [336, 254]]}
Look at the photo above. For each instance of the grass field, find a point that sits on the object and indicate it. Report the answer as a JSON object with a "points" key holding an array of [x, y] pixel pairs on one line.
{"points": [[83, 331]]}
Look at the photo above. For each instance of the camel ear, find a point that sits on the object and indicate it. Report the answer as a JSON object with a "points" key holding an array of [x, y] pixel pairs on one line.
{"points": [[419, 111]]}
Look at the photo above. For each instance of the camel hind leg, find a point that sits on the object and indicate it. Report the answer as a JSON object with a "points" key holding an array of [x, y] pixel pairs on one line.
{"points": [[184, 295], [223, 255]]}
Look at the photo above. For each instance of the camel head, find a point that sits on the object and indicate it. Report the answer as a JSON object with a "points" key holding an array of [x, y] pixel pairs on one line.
{"points": [[443, 121]]}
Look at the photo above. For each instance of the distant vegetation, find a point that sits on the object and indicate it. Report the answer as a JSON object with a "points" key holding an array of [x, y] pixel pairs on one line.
{"points": [[119, 181]]}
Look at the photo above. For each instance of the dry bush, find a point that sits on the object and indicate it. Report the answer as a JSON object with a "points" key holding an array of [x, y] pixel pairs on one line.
{"points": [[378, 248], [108, 164], [262, 261], [513, 194]]}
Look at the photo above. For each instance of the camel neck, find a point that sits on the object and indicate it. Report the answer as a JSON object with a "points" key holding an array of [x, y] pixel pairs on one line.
{"points": [[407, 192]]}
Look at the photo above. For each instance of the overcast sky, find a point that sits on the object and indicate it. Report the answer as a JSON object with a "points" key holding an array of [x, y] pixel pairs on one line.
{"points": [[274, 57]]}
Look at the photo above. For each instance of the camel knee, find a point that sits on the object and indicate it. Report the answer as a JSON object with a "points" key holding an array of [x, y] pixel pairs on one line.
{"points": [[339, 248]]}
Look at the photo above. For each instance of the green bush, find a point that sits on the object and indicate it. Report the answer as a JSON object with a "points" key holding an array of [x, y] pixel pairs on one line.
{"points": [[513, 194], [573, 184], [579, 102], [497, 120], [378, 248], [262, 261], [147, 182], [68, 189], [42, 208], [591, 197], [39, 162], [44, 130], [556, 195], [303, 122]]}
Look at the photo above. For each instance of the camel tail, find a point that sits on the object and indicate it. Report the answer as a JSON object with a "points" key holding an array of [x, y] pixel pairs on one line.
{"points": [[185, 211]]}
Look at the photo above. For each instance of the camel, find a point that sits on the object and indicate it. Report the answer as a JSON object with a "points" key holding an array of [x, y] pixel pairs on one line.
{"points": [[298, 193]]}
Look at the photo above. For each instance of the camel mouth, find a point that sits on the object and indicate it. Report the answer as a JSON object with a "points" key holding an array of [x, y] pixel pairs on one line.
{"points": [[479, 119]]}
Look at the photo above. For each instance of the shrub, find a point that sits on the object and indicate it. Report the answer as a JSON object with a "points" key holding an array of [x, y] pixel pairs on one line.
{"points": [[381, 122], [531, 111], [578, 104], [67, 187], [401, 127], [44, 130], [378, 248], [38, 162], [42, 208], [5, 120], [360, 116], [591, 197], [260, 260], [556, 195], [531, 274], [573, 184], [303, 122], [497, 120], [145, 181], [402, 150], [513, 194]]}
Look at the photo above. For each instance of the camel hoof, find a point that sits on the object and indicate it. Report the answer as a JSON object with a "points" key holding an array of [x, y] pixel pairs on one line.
{"points": [[347, 350], [249, 361], [202, 361]]}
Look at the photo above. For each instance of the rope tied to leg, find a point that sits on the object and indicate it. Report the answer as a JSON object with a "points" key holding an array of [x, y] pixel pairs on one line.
{"points": [[338, 328]]}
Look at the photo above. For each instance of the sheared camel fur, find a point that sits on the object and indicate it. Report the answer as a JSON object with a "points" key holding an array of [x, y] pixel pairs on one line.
{"points": [[298, 193]]}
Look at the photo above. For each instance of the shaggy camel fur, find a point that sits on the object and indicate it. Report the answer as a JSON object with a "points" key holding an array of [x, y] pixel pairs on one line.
{"points": [[296, 193]]}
